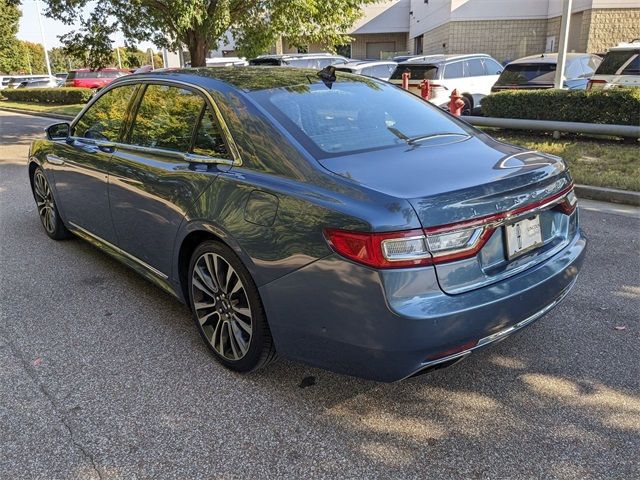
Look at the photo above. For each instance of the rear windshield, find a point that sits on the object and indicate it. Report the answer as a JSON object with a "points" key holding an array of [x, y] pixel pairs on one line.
{"points": [[418, 72], [615, 60], [523, 73], [265, 61], [353, 115]]}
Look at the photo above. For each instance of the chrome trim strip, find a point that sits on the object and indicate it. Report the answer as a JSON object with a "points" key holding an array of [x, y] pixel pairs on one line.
{"points": [[145, 79], [120, 251], [494, 337]]}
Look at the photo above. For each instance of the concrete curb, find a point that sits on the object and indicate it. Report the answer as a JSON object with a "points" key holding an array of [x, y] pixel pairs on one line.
{"points": [[57, 116], [608, 195]]}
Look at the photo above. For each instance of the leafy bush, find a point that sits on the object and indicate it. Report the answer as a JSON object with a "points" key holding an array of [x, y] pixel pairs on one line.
{"points": [[59, 96], [618, 106]]}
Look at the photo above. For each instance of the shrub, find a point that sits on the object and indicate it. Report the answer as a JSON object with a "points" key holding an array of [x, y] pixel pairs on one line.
{"points": [[59, 96], [618, 106]]}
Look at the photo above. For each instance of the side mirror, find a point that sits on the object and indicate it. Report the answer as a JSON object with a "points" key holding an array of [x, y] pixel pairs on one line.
{"points": [[58, 131]]}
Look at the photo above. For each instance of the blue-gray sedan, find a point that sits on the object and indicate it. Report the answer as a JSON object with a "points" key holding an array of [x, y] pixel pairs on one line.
{"points": [[331, 218]]}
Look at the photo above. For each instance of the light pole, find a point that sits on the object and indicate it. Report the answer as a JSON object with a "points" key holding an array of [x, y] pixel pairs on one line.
{"points": [[153, 67], [44, 43], [562, 46], [119, 61]]}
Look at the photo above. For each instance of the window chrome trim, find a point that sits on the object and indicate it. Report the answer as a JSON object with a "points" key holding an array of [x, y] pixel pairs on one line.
{"points": [[110, 245], [187, 156]]}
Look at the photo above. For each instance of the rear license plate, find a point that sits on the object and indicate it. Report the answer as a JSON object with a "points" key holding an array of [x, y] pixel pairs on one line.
{"points": [[523, 236]]}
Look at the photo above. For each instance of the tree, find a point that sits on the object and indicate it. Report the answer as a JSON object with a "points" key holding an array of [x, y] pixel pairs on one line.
{"points": [[10, 48], [91, 44], [200, 24]]}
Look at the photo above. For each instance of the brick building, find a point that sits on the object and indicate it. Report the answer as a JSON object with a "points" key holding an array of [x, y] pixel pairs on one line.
{"points": [[509, 29]]}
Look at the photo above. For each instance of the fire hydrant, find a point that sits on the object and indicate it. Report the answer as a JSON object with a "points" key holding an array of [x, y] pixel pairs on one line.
{"points": [[456, 104], [425, 89], [405, 80]]}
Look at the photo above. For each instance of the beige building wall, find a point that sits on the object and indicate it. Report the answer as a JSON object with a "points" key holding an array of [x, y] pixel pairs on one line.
{"points": [[609, 27], [397, 42], [592, 31]]}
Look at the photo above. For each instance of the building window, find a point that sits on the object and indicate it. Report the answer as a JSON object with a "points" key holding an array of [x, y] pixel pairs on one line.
{"points": [[418, 45]]}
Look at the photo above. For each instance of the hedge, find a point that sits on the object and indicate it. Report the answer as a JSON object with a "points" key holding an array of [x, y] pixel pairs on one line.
{"points": [[59, 96], [619, 106]]}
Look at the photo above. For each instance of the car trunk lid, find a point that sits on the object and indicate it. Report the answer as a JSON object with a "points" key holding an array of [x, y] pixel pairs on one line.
{"points": [[464, 179]]}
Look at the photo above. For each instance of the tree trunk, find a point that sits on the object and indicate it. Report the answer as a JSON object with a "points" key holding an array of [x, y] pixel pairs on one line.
{"points": [[197, 49]]}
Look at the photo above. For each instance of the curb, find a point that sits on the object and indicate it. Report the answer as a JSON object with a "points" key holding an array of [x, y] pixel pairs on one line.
{"points": [[608, 195], [58, 116]]}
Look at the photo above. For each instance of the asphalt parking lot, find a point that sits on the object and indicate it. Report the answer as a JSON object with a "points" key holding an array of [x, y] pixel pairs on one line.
{"points": [[102, 375]]}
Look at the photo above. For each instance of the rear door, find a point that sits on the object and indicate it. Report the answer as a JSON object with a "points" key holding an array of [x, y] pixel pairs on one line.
{"points": [[163, 166], [81, 164]]}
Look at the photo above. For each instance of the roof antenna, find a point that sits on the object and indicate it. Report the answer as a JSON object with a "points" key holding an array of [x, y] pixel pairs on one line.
{"points": [[328, 75]]}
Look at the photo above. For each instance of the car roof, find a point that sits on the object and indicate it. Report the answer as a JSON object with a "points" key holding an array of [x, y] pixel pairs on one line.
{"points": [[365, 63], [242, 78], [441, 58], [111, 69], [633, 45], [299, 55], [549, 58]]}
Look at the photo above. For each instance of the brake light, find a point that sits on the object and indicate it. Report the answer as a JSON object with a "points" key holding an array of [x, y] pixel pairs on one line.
{"points": [[434, 245]]}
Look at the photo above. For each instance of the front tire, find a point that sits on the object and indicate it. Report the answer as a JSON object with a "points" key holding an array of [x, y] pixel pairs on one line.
{"points": [[227, 309], [47, 209]]}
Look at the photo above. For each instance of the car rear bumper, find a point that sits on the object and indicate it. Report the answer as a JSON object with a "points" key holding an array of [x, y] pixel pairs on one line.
{"points": [[389, 325]]}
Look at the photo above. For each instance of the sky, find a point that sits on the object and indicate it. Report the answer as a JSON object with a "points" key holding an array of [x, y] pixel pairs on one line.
{"points": [[30, 30]]}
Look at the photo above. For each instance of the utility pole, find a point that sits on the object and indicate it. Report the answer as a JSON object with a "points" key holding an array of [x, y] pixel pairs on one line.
{"points": [[44, 43], [119, 61], [153, 67], [562, 46]]}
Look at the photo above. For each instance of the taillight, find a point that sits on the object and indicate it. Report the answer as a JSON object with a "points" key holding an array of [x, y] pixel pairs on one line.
{"points": [[433, 245], [596, 84]]}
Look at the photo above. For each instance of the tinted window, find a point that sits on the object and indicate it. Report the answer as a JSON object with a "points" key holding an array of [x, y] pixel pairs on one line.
{"points": [[104, 119], [383, 71], [209, 139], [523, 73], [265, 61], [492, 67], [633, 68], [614, 61], [474, 68], [418, 72], [453, 70], [166, 118], [354, 115]]}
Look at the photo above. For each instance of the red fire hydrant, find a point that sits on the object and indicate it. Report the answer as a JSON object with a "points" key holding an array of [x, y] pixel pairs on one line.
{"points": [[425, 89], [405, 80], [456, 104]]}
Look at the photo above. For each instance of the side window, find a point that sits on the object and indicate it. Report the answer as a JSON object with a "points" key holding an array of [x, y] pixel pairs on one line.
{"points": [[369, 71], [166, 118], [474, 68], [209, 138], [453, 70], [104, 119], [492, 67], [586, 67], [573, 69]]}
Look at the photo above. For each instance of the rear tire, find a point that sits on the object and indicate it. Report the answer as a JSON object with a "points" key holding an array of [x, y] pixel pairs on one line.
{"points": [[468, 106], [47, 208], [227, 309]]}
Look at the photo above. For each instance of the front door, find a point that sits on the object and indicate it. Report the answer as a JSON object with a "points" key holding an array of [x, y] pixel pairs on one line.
{"points": [[154, 178], [81, 163]]}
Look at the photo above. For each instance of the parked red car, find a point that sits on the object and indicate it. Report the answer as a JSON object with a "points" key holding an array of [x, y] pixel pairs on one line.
{"points": [[86, 78]]}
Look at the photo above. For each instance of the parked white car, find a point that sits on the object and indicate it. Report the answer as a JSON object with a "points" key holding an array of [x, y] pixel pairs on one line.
{"points": [[620, 67], [382, 69], [226, 62], [472, 75]]}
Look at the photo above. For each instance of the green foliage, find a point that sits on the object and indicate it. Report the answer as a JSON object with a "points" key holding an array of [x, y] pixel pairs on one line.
{"points": [[619, 106], [92, 44], [59, 96], [105, 117], [201, 24], [9, 46]]}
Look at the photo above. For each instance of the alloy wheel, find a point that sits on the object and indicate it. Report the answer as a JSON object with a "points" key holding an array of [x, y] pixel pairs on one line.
{"points": [[221, 306], [44, 201]]}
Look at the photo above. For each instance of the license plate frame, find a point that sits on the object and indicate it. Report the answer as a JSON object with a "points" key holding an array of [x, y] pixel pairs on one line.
{"points": [[523, 236]]}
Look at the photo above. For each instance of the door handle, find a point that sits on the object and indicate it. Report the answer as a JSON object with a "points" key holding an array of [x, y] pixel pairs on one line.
{"points": [[54, 160]]}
